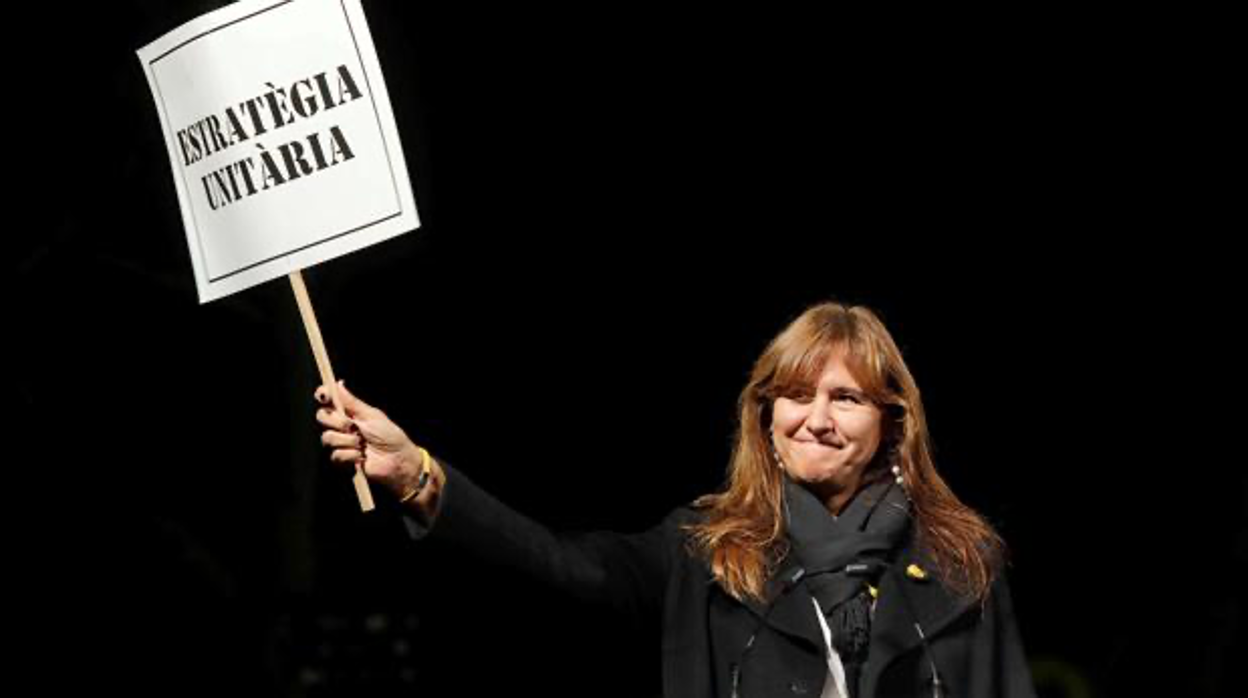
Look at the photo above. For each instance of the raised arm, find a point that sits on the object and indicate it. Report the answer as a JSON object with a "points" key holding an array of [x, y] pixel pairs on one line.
{"points": [[625, 571]]}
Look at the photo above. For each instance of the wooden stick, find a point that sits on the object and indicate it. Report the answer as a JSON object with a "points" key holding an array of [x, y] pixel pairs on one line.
{"points": [[327, 373]]}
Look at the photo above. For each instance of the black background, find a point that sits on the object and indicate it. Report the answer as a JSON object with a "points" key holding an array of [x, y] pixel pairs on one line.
{"points": [[620, 206]]}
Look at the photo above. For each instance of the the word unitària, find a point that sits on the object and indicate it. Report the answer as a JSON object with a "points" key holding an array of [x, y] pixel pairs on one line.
{"points": [[270, 111]]}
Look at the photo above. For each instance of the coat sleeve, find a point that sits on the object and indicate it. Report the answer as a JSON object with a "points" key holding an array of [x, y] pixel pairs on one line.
{"points": [[624, 571], [1006, 673]]}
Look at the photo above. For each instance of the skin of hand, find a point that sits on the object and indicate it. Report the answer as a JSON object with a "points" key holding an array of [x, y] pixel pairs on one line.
{"points": [[362, 433]]}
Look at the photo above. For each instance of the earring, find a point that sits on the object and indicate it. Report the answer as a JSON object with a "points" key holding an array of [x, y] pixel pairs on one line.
{"points": [[901, 481], [776, 455]]}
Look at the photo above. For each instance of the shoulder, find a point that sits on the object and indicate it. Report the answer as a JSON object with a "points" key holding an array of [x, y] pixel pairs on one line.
{"points": [[684, 516], [677, 529], [675, 526], [681, 523]]}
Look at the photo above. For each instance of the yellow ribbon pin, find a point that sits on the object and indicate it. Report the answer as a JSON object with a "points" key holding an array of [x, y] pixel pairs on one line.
{"points": [[916, 572]]}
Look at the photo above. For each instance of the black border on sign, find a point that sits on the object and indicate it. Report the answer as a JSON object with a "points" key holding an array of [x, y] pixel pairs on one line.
{"points": [[376, 115]]}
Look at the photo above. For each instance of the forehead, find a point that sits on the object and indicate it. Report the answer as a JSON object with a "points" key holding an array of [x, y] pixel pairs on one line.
{"points": [[836, 371], [822, 366]]}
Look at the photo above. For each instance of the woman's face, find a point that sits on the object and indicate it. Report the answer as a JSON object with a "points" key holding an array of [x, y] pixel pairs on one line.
{"points": [[826, 438]]}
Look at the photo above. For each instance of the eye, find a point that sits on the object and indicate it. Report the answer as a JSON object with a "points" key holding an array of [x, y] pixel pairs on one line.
{"points": [[851, 398], [802, 396]]}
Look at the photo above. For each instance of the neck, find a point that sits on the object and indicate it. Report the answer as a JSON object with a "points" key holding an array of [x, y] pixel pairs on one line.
{"points": [[837, 502], [834, 498], [834, 494]]}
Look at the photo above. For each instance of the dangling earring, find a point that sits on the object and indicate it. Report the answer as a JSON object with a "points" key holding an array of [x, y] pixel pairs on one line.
{"points": [[776, 454], [897, 476]]}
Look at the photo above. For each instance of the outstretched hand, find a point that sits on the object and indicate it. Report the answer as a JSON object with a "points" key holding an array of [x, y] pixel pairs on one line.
{"points": [[363, 434]]}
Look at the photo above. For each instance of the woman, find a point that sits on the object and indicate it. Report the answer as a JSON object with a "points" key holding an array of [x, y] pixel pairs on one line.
{"points": [[836, 562]]}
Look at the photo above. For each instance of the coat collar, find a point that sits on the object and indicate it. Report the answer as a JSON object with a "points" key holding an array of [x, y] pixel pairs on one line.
{"points": [[687, 655], [904, 601], [687, 664], [791, 609]]}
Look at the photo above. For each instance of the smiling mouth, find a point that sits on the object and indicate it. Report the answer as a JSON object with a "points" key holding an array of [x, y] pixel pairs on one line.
{"points": [[822, 444]]}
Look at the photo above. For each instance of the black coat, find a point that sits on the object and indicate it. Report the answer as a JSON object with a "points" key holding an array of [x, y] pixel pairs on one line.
{"points": [[977, 650]]}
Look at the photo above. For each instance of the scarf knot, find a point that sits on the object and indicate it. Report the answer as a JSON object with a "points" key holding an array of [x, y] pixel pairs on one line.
{"points": [[843, 555]]}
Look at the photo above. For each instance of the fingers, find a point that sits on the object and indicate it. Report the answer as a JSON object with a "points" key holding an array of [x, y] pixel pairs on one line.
{"points": [[337, 439], [322, 395], [334, 420], [346, 455], [351, 404], [342, 434], [347, 447]]}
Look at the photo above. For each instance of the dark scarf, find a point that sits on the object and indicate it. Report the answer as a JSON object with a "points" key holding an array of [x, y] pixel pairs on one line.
{"points": [[841, 555]]}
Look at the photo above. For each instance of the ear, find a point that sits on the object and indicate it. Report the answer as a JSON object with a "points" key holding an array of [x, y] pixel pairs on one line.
{"points": [[764, 413], [894, 424]]}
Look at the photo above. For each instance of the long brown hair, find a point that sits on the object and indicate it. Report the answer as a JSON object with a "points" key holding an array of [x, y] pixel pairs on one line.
{"points": [[742, 531]]}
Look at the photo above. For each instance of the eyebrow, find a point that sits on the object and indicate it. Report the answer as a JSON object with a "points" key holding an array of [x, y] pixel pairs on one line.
{"points": [[836, 389], [847, 390]]}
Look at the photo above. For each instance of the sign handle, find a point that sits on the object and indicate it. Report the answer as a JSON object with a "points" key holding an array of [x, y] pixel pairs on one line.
{"points": [[327, 373]]}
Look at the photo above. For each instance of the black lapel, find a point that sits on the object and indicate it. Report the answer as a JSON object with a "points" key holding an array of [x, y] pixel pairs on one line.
{"points": [[904, 600], [792, 610]]}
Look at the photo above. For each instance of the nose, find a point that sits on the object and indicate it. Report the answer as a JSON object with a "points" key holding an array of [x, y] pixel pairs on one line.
{"points": [[819, 421]]}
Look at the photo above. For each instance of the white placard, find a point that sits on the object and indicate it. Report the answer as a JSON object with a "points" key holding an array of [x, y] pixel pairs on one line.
{"points": [[283, 144]]}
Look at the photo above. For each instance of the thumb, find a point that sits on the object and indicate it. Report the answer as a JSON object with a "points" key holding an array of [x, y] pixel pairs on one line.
{"points": [[352, 405]]}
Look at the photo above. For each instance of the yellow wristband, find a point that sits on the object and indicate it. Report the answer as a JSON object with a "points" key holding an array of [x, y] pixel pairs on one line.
{"points": [[422, 480]]}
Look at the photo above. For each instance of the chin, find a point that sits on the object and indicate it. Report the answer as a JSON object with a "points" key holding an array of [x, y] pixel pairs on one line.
{"points": [[831, 477], [826, 478]]}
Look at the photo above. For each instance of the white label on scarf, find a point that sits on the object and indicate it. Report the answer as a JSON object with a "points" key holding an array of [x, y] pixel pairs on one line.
{"points": [[834, 686]]}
